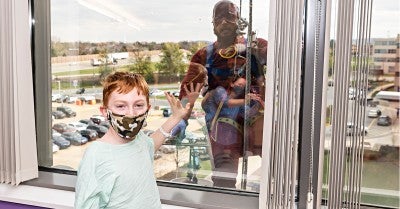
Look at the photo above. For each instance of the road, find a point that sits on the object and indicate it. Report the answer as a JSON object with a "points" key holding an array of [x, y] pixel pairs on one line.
{"points": [[75, 66]]}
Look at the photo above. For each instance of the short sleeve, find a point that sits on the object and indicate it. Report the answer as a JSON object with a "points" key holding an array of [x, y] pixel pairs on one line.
{"points": [[94, 183], [150, 144]]}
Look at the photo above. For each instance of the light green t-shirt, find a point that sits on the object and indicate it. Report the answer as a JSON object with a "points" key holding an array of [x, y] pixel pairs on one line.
{"points": [[118, 176]]}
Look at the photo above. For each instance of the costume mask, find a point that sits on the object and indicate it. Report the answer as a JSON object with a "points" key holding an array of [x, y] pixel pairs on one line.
{"points": [[127, 127]]}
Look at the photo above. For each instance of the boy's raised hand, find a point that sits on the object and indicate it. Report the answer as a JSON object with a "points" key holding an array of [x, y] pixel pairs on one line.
{"points": [[177, 109], [192, 94]]}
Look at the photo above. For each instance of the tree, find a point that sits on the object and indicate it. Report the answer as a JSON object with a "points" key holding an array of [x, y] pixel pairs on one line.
{"points": [[172, 59], [104, 70], [143, 65], [194, 48]]}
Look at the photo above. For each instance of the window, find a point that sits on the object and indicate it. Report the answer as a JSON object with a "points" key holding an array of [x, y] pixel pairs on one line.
{"points": [[381, 51], [89, 41], [379, 59]]}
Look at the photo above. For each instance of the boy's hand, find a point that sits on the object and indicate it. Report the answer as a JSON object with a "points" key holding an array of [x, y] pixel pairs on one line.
{"points": [[178, 110]]}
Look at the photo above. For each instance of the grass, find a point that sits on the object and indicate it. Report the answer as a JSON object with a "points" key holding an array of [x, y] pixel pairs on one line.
{"points": [[78, 72], [375, 175]]}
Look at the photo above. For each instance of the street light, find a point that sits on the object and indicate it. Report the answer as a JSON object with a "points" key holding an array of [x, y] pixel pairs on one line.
{"points": [[59, 92], [72, 53]]}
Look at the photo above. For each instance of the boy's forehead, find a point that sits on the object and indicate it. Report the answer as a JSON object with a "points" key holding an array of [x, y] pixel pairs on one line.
{"points": [[131, 95]]}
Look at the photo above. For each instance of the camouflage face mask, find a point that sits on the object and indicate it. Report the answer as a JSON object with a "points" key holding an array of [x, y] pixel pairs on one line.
{"points": [[125, 126]]}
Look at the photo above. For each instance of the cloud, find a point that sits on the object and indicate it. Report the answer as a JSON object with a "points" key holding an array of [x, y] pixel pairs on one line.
{"points": [[113, 11]]}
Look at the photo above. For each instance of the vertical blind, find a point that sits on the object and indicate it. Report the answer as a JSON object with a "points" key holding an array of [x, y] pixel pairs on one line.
{"points": [[282, 104], [350, 71], [18, 155], [283, 92]]}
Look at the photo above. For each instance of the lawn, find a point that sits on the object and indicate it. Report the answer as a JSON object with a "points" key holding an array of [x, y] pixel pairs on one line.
{"points": [[380, 182]]}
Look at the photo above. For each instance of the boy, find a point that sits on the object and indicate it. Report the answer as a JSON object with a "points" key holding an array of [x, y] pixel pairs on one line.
{"points": [[117, 170]]}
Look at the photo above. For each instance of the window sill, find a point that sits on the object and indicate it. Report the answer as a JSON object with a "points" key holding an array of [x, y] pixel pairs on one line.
{"points": [[55, 190]]}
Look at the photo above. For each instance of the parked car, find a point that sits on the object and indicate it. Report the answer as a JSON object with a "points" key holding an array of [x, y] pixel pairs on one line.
{"points": [[62, 98], [90, 134], [175, 93], [157, 154], [87, 98], [61, 142], [354, 130], [374, 113], [105, 124], [86, 121], [54, 97], [330, 82], [58, 114], [75, 138], [354, 93], [101, 130], [78, 125], [67, 110], [97, 119], [55, 148], [373, 103], [71, 100], [384, 120], [167, 112], [80, 91], [156, 92], [166, 149], [63, 127], [55, 133]]}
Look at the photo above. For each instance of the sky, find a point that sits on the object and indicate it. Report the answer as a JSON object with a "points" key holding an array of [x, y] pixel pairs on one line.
{"points": [[172, 20]]}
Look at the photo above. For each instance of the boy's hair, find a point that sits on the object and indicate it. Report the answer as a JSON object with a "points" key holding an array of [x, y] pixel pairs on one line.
{"points": [[124, 82]]}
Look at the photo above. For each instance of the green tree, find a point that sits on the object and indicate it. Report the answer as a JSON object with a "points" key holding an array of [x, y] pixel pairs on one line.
{"points": [[172, 59], [144, 66], [195, 47], [104, 70]]}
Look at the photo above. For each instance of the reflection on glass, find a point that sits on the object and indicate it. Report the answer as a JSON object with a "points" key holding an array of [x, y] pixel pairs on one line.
{"points": [[164, 42]]}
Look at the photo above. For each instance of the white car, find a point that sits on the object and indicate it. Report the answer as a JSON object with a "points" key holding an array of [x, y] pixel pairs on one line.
{"points": [[54, 97], [71, 100], [354, 130], [156, 92], [55, 148], [374, 113], [353, 93]]}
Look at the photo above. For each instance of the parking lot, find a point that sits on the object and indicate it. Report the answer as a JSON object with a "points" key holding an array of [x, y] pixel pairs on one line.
{"points": [[70, 157]]}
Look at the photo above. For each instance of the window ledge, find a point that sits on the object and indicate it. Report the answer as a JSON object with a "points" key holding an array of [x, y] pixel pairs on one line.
{"points": [[55, 190], [45, 197]]}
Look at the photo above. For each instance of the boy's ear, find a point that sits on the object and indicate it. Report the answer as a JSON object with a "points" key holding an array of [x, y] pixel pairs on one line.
{"points": [[149, 107], [103, 111]]}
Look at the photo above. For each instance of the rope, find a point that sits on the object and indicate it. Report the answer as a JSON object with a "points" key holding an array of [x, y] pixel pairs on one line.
{"points": [[247, 91]]}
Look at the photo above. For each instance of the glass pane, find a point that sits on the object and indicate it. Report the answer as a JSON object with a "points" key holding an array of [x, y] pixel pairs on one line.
{"points": [[380, 174], [91, 39]]}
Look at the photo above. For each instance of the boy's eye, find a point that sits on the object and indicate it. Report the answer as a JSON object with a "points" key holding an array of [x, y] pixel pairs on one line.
{"points": [[139, 105], [120, 106]]}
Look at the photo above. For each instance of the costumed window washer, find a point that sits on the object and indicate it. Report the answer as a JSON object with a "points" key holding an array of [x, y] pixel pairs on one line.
{"points": [[224, 61]]}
